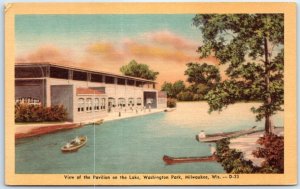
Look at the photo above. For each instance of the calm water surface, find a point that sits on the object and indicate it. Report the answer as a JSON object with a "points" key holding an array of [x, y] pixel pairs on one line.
{"points": [[137, 145]]}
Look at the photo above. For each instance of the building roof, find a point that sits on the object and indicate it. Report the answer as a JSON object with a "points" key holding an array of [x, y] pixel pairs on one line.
{"points": [[83, 69], [88, 91]]}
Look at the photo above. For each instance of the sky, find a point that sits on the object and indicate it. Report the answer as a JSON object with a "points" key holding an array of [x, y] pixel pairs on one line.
{"points": [[166, 42]]}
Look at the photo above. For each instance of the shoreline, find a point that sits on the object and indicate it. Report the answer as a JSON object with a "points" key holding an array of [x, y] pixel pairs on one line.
{"points": [[247, 144], [27, 130]]}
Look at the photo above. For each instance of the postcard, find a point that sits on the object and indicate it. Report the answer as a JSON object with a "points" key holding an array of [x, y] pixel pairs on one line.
{"points": [[150, 94]]}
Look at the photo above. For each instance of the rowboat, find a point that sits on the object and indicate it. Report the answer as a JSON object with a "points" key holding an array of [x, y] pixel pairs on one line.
{"points": [[169, 109], [172, 160], [74, 144], [219, 136], [99, 122]]}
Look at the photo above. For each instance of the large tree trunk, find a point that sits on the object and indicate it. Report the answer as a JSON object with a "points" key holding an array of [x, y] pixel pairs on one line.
{"points": [[269, 127]]}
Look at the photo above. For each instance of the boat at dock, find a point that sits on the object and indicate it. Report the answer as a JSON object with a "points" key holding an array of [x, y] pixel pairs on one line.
{"points": [[99, 122], [74, 144], [169, 109], [173, 160], [219, 136]]}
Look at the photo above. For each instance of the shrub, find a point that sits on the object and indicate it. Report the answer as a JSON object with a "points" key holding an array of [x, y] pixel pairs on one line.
{"points": [[272, 151], [232, 160], [185, 96], [171, 102], [36, 113]]}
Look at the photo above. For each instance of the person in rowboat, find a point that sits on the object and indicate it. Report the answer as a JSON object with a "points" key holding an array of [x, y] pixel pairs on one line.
{"points": [[77, 140], [68, 145], [202, 134], [212, 150]]}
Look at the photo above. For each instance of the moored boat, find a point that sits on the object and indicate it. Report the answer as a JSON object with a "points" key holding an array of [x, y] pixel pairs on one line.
{"points": [[169, 109], [172, 160], [74, 144], [219, 136], [99, 122]]}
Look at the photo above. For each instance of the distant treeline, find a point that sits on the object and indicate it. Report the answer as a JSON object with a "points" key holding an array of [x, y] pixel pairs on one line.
{"points": [[201, 79]]}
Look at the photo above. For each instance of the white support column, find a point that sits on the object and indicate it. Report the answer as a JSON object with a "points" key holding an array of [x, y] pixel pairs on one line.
{"points": [[48, 92]]}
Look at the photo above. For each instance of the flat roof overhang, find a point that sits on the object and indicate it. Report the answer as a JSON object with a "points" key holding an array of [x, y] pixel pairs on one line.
{"points": [[45, 64]]}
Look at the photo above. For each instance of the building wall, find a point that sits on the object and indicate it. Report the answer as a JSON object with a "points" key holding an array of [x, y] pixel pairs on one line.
{"points": [[63, 95], [162, 103], [93, 114], [161, 99], [30, 88], [111, 90], [63, 91]]}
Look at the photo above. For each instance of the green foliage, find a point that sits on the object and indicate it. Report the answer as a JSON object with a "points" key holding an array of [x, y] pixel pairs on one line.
{"points": [[224, 94], [202, 73], [233, 160], [185, 96], [174, 89], [272, 151], [252, 47], [200, 88], [36, 113], [171, 103], [202, 77], [135, 69]]}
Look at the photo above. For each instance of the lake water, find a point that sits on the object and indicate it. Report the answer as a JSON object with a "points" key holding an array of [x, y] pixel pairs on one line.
{"points": [[137, 145]]}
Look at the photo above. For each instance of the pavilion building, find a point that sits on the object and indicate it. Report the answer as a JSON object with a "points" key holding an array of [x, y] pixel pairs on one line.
{"points": [[86, 94]]}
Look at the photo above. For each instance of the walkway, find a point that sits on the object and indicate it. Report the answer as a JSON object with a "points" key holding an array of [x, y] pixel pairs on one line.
{"points": [[34, 129], [116, 116]]}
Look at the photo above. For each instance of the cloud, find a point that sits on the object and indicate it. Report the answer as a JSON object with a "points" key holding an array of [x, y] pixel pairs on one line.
{"points": [[106, 50], [171, 39], [154, 52], [47, 53]]}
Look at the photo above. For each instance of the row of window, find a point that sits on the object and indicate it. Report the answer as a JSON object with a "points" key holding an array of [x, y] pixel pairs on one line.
{"points": [[97, 104], [63, 73], [90, 104], [122, 102]]}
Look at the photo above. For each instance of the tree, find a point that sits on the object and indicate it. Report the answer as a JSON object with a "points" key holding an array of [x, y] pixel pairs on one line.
{"points": [[174, 89], [135, 69], [168, 88], [202, 73], [178, 86], [252, 47]]}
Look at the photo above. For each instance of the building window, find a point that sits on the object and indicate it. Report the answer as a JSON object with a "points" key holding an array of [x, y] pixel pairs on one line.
{"points": [[130, 82], [121, 81], [103, 104], [121, 102], [80, 76], [96, 105], [130, 102], [139, 101], [80, 105], [96, 78], [138, 84], [88, 104], [109, 80], [60, 73], [30, 72], [111, 102]]}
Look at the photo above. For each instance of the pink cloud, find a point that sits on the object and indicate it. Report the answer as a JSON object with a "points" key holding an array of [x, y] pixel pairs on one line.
{"points": [[168, 38], [105, 50], [47, 53]]}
